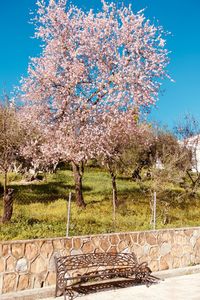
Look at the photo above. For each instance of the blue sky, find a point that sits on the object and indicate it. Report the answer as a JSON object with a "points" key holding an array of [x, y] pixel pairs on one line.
{"points": [[180, 17]]}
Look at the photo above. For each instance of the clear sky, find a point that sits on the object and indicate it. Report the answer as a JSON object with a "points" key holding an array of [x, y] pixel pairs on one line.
{"points": [[180, 17]]}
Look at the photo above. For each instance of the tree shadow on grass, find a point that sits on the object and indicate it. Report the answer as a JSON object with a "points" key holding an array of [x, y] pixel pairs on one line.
{"points": [[93, 201], [125, 178], [42, 192]]}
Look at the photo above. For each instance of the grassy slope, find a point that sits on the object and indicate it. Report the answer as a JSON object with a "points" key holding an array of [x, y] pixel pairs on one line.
{"points": [[40, 209]]}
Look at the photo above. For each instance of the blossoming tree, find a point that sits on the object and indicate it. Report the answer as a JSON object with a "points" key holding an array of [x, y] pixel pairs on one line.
{"points": [[91, 63]]}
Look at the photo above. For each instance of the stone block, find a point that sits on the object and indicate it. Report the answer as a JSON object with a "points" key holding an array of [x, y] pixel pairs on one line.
{"points": [[196, 260], [18, 250], [185, 260], [98, 250], [165, 248], [150, 239], [180, 239], [38, 265], [188, 232], [68, 245], [176, 262], [141, 238], [177, 250], [146, 249], [196, 251], [134, 238], [165, 237], [193, 241], [10, 264], [113, 249], [2, 264], [22, 265], [88, 247], [76, 251], [122, 246], [51, 264], [23, 282], [187, 249], [143, 259], [196, 233], [9, 282], [58, 244], [166, 262], [126, 250], [1, 282], [127, 238], [197, 243], [31, 251], [154, 252], [62, 252], [121, 236], [77, 243], [5, 250], [51, 278], [154, 265], [37, 282], [104, 244], [137, 250], [96, 241], [114, 239], [46, 249]]}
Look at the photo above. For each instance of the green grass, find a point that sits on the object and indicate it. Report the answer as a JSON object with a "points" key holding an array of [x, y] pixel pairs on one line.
{"points": [[40, 209]]}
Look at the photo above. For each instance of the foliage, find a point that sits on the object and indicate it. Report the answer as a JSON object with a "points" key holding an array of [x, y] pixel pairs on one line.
{"points": [[10, 134], [168, 156], [159, 150]]}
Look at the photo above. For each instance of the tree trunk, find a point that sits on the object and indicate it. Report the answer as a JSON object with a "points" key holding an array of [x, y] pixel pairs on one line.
{"points": [[136, 174], [78, 174], [194, 182], [114, 188], [5, 183], [7, 201]]}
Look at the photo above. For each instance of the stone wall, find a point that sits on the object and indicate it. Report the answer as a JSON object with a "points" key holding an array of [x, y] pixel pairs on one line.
{"points": [[30, 264]]}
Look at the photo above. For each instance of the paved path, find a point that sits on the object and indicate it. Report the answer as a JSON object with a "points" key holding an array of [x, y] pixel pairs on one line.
{"points": [[185, 287]]}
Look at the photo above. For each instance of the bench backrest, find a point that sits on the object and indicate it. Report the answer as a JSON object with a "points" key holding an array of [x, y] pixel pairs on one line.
{"points": [[75, 262]]}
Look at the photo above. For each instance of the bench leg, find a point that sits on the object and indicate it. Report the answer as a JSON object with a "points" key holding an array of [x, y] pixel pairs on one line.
{"points": [[56, 291], [69, 293]]}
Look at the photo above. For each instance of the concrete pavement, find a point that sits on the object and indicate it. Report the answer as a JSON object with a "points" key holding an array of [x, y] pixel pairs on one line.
{"points": [[185, 287]]}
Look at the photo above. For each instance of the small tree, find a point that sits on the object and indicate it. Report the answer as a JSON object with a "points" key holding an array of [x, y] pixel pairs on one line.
{"points": [[118, 134], [10, 140], [188, 131], [112, 140], [167, 164]]}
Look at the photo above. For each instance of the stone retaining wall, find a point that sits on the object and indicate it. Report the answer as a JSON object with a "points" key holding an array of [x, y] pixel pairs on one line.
{"points": [[30, 264]]}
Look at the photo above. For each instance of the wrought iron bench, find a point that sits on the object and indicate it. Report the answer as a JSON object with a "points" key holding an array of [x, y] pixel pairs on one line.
{"points": [[94, 271]]}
